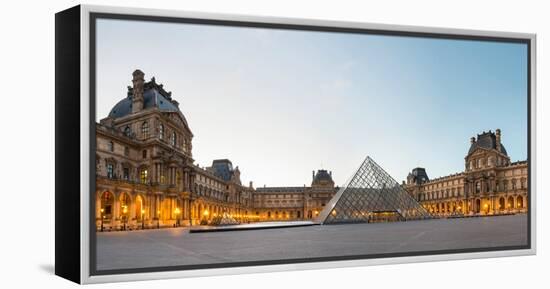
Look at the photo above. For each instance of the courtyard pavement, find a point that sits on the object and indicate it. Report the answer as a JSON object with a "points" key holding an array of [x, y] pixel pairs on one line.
{"points": [[176, 246]]}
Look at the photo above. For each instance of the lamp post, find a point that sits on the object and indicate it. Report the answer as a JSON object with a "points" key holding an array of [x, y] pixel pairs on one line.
{"points": [[158, 219], [142, 219], [102, 217], [124, 217], [177, 211]]}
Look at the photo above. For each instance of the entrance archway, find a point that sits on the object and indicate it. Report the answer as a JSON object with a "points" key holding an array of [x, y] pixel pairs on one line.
{"points": [[478, 206], [107, 204], [510, 204], [125, 202], [501, 203], [519, 202]]}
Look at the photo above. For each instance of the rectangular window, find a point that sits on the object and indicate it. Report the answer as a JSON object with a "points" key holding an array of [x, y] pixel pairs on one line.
{"points": [[110, 173], [143, 176], [126, 173]]}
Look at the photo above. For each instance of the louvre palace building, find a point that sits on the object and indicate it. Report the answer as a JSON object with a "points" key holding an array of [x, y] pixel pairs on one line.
{"points": [[489, 185], [146, 176]]}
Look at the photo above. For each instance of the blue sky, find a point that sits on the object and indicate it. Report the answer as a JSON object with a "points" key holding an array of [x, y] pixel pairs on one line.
{"points": [[281, 103]]}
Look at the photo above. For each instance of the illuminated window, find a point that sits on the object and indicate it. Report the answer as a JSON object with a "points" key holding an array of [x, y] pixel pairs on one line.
{"points": [[145, 129], [161, 131], [143, 176]]}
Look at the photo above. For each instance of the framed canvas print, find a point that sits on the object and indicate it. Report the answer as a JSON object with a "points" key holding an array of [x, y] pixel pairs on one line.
{"points": [[192, 144]]}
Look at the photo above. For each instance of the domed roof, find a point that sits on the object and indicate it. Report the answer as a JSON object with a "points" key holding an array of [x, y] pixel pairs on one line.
{"points": [[153, 96]]}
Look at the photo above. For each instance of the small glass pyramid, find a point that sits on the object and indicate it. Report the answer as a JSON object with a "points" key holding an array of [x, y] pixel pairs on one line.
{"points": [[371, 195]]}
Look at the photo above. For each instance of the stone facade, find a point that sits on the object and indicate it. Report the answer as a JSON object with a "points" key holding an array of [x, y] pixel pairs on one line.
{"points": [[295, 203], [489, 185], [146, 176]]}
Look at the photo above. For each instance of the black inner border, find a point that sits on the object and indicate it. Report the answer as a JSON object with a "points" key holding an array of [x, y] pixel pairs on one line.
{"points": [[93, 22]]}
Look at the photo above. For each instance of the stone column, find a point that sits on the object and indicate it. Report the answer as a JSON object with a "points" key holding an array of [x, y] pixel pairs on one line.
{"points": [[116, 208]]}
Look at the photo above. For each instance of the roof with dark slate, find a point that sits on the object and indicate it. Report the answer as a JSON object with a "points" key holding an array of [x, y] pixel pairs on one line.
{"points": [[223, 169], [322, 175], [486, 140], [420, 175], [153, 96]]}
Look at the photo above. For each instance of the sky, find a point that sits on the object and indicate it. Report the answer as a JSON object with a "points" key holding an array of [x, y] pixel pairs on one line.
{"points": [[282, 103]]}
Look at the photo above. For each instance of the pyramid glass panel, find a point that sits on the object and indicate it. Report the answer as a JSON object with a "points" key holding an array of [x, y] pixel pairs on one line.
{"points": [[371, 195]]}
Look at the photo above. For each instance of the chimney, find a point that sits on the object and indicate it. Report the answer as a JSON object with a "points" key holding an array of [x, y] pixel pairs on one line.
{"points": [[472, 140], [137, 98], [250, 184], [330, 173], [313, 175], [498, 139]]}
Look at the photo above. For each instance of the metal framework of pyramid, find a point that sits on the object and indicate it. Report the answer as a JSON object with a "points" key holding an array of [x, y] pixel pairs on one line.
{"points": [[371, 195]]}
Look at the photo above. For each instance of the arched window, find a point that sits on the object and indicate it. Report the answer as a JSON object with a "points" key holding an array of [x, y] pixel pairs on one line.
{"points": [[173, 139], [145, 129], [111, 146], [161, 131], [144, 154], [478, 187], [127, 131]]}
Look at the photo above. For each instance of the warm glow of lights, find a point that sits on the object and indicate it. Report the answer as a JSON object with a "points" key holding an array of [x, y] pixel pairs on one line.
{"points": [[177, 211], [102, 210], [142, 211], [158, 212], [334, 212], [205, 212], [124, 209]]}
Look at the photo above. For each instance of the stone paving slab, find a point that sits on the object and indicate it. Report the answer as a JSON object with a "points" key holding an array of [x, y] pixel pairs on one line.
{"points": [[176, 246]]}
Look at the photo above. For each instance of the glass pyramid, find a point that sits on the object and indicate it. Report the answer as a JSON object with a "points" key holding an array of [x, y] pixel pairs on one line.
{"points": [[371, 195]]}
